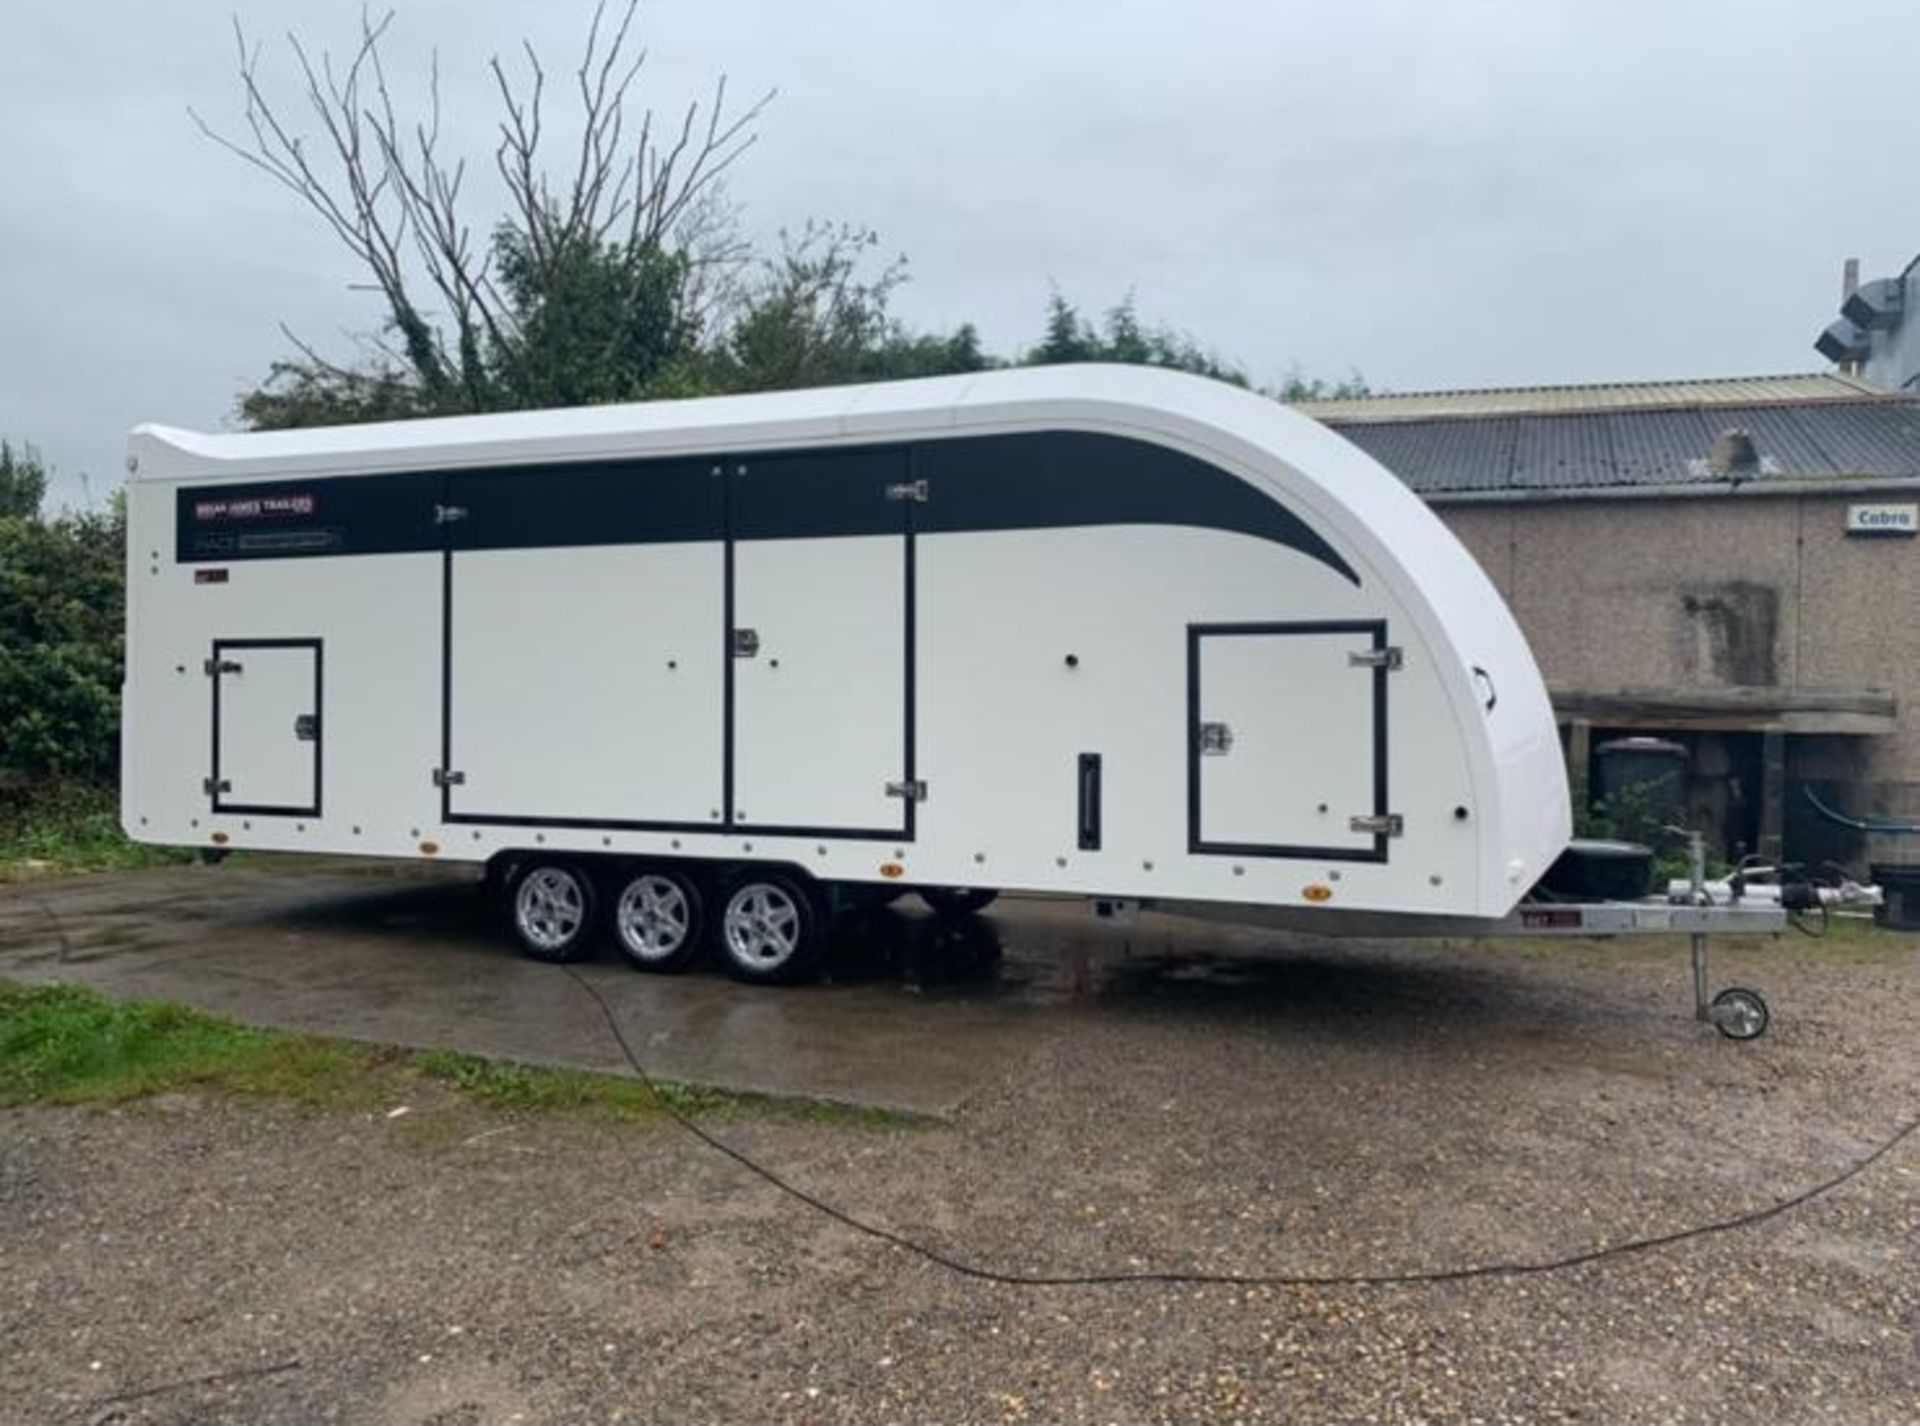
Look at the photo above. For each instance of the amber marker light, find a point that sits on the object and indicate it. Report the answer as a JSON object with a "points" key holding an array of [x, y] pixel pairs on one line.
{"points": [[892, 869], [1317, 891]]}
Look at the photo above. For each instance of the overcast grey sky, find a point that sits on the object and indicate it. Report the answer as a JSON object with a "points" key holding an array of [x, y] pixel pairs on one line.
{"points": [[1471, 193]]}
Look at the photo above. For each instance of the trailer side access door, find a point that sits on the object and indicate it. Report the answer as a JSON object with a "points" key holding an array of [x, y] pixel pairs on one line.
{"points": [[584, 645], [820, 643], [1287, 740], [702, 644], [266, 727]]}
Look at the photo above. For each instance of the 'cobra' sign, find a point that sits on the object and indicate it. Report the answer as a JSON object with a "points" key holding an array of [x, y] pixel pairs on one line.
{"points": [[1883, 519]]}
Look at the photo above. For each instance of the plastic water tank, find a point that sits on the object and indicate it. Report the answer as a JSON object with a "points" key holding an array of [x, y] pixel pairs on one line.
{"points": [[1648, 774]]}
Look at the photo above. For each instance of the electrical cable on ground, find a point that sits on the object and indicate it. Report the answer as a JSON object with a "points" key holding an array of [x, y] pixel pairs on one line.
{"points": [[140, 1393], [964, 1268]]}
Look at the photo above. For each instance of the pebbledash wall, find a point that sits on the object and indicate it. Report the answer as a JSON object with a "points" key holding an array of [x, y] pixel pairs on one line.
{"points": [[1644, 599], [1681, 561]]}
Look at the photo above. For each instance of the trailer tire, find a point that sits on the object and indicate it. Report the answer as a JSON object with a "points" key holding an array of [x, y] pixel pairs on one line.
{"points": [[657, 913], [770, 930], [954, 901], [553, 910]]}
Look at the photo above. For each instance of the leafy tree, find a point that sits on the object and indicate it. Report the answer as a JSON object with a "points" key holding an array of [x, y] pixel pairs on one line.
{"points": [[596, 322], [1121, 337], [812, 317], [23, 482], [934, 354], [1068, 338], [311, 392], [1297, 386]]}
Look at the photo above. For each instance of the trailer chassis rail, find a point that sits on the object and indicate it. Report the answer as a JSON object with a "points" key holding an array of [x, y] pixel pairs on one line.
{"points": [[1756, 901], [1737, 1012]]}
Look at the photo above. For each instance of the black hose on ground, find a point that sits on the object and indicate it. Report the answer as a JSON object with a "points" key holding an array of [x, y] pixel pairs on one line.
{"points": [[965, 1268]]}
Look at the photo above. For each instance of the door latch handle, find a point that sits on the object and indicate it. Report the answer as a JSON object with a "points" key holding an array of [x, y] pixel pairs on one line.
{"points": [[1485, 680], [306, 727], [746, 643]]}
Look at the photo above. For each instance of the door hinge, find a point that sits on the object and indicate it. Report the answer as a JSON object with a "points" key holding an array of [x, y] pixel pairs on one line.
{"points": [[213, 668], [214, 789], [1383, 824], [917, 491], [446, 777], [746, 643], [1388, 658], [912, 791], [448, 514], [1216, 740], [306, 727]]}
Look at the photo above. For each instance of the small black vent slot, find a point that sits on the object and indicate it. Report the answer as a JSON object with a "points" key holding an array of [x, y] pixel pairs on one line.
{"points": [[1089, 802]]}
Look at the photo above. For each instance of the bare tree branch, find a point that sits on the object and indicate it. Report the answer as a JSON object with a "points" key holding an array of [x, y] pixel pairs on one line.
{"points": [[383, 186]]}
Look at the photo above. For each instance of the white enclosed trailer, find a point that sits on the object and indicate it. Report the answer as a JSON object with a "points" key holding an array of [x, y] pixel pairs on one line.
{"points": [[1111, 631]]}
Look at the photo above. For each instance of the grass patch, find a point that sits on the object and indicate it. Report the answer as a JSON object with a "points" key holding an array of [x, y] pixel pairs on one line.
{"points": [[60, 1044], [63, 1044], [504, 1084], [70, 827]]}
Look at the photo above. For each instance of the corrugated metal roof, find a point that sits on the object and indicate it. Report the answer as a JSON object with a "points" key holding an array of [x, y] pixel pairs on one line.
{"points": [[1529, 400], [1609, 450]]}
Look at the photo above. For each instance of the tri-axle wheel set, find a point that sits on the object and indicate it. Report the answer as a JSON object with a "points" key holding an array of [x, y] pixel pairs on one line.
{"points": [[766, 923]]}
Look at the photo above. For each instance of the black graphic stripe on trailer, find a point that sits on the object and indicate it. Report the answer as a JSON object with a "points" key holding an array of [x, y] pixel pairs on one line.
{"points": [[1039, 480]]}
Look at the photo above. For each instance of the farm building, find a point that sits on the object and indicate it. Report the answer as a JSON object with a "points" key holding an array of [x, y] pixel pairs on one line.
{"points": [[1727, 565]]}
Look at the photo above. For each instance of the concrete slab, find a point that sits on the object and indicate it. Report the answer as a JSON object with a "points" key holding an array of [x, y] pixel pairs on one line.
{"points": [[912, 1017]]}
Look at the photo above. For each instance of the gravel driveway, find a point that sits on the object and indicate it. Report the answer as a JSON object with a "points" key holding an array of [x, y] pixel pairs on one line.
{"points": [[1211, 1101]]}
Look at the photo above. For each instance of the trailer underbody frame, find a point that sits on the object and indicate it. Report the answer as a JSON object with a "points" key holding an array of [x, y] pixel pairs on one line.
{"points": [[1737, 1012]]}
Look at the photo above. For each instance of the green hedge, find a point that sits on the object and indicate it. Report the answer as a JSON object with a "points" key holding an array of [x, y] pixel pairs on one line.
{"points": [[62, 593]]}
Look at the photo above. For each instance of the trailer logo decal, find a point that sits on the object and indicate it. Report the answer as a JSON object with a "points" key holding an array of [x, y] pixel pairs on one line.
{"points": [[1559, 920], [256, 507], [288, 541]]}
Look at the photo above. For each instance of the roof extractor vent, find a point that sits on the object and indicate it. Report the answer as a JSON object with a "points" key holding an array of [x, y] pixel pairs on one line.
{"points": [[1877, 305], [1734, 454], [1842, 342]]}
